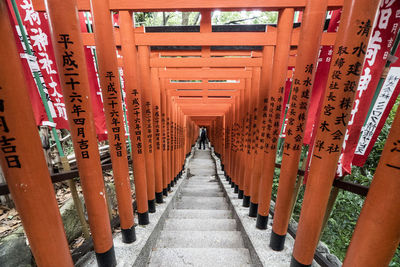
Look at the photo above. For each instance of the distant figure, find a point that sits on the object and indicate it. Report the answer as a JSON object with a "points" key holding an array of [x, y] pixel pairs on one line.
{"points": [[203, 137]]}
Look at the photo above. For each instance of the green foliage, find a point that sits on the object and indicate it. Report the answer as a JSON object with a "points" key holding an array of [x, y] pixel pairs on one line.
{"points": [[193, 18], [341, 224]]}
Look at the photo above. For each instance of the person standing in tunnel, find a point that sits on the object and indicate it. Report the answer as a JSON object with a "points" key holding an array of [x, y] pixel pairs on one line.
{"points": [[203, 137]]}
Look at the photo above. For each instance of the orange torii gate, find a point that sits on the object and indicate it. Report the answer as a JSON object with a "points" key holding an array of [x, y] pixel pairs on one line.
{"points": [[237, 95]]}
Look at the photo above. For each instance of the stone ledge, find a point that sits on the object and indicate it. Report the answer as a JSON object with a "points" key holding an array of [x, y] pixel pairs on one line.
{"points": [[137, 253]]}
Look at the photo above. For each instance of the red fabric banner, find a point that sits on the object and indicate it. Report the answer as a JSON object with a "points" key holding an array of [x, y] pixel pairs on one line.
{"points": [[37, 28], [318, 91], [380, 111], [94, 83], [379, 47], [321, 77]]}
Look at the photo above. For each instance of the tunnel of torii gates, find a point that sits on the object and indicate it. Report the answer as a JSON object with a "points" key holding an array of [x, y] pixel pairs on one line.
{"points": [[237, 94]]}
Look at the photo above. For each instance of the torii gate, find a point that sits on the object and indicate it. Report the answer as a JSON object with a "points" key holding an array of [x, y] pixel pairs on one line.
{"points": [[165, 110]]}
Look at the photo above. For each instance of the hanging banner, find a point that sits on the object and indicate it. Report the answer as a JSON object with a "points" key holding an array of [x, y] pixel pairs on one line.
{"points": [[382, 107], [379, 47], [94, 82], [321, 77], [37, 28]]}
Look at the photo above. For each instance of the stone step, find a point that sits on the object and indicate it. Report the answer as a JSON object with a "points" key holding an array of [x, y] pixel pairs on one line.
{"points": [[205, 224], [200, 214], [202, 203], [233, 257], [206, 193], [200, 239], [204, 186]]}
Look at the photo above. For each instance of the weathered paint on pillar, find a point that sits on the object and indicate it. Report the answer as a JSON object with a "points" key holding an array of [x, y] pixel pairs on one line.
{"points": [[71, 63], [348, 56], [281, 59], [134, 108], [306, 62], [112, 102], [22, 158]]}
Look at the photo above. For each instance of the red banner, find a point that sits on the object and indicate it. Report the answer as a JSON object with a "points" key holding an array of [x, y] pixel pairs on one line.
{"points": [[37, 28], [321, 76], [379, 113], [379, 47], [94, 83]]}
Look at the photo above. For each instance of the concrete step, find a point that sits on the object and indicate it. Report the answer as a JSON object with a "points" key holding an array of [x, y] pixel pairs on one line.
{"points": [[200, 257], [206, 193], [204, 224], [200, 214], [200, 239], [202, 203], [199, 187]]}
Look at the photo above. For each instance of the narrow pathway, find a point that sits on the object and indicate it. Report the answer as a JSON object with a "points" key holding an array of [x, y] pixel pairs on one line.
{"points": [[200, 230]]}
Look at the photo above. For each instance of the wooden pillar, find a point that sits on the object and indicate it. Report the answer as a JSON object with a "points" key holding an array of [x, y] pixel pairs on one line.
{"points": [[71, 63], [252, 134], [377, 233], [22, 159], [262, 107], [155, 85], [134, 111], [281, 59], [144, 72], [112, 102], [165, 154], [348, 56], [306, 62]]}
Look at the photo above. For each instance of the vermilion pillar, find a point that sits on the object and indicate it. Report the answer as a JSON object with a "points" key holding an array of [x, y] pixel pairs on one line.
{"points": [[262, 107], [306, 62], [377, 233], [348, 57], [134, 107], [70, 58], [157, 132], [281, 59], [22, 159], [144, 74], [112, 102]]}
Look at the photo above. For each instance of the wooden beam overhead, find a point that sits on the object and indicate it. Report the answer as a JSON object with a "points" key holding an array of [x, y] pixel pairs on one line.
{"points": [[189, 5], [193, 62], [204, 93], [208, 39], [203, 85], [195, 74]]}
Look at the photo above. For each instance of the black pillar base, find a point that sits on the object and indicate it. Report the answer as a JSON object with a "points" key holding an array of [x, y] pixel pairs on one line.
{"points": [[262, 222], [240, 195], [106, 259], [222, 167], [169, 187], [159, 197], [175, 179], [227, 178], [253, 209], [295, 263], [172, 183], [277, 242], [128, 235], [246, 201], [143, 218], [236, 189], [152, 205], [232, 184], [165, 191]]}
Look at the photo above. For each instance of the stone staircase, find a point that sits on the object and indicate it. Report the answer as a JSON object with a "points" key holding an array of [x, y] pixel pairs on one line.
{"points": [[200, 230]]}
